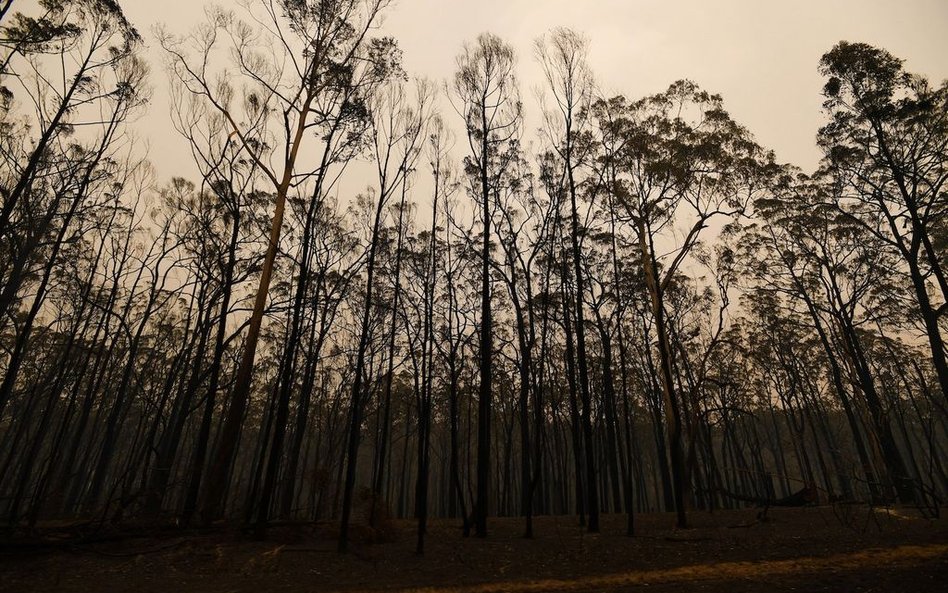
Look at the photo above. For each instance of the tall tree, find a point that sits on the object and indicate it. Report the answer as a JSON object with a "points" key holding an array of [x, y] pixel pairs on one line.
{"points": [[887, 144], [683, 162], [398, 132], [488, 101], [563, 58], [328, 49]]}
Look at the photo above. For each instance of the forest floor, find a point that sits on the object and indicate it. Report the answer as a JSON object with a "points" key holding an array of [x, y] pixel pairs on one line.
{"points": [[811, 549]]}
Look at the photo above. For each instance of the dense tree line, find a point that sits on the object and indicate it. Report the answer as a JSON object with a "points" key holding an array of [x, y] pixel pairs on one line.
{"points": [[635, 308]]}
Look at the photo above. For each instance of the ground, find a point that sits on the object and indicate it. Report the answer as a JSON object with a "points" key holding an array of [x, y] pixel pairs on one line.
{"points": [[812, 549]]}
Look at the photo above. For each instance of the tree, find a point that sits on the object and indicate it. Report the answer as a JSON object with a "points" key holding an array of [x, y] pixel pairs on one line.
{"points": [[488, 101], [839, 271], [74, 68], [332, 64], [398, 133], [568, 77], [682, 162], [887, 145]]}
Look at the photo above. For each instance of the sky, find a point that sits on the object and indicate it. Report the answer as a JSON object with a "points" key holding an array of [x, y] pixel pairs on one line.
{"points": [[761, 56]]}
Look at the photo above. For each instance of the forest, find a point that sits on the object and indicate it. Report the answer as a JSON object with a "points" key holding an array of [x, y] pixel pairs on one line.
{"points": [[387, 300]]}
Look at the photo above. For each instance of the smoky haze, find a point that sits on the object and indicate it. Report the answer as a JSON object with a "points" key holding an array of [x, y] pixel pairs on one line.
{"points": [[481, 296], [760, 56]]}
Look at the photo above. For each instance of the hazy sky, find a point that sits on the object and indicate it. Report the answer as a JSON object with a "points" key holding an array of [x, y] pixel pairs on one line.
{"points": [[760, 55]]}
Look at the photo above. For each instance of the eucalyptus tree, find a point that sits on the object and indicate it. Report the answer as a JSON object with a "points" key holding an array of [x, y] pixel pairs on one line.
{"points": [[191, 232], [217, 229], [38, 395], [887, 145], [444, 186], [108, 296], [604, 309], [397, 135], [385, 139], [772, 261], [682, 161], [75, 289], [524, 231], [563, 57], [70, 75], [299, 62], [488, 100], [700, 335], [344, 137], [159, 264], [229, 222], [70, 82], [553, 179], [841, 273], [335, 263], [619, 287], [457, 312], [781, 346]]}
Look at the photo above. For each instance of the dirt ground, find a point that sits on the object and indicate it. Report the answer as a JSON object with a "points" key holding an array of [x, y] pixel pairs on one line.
{"points": [[813, 549]]}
